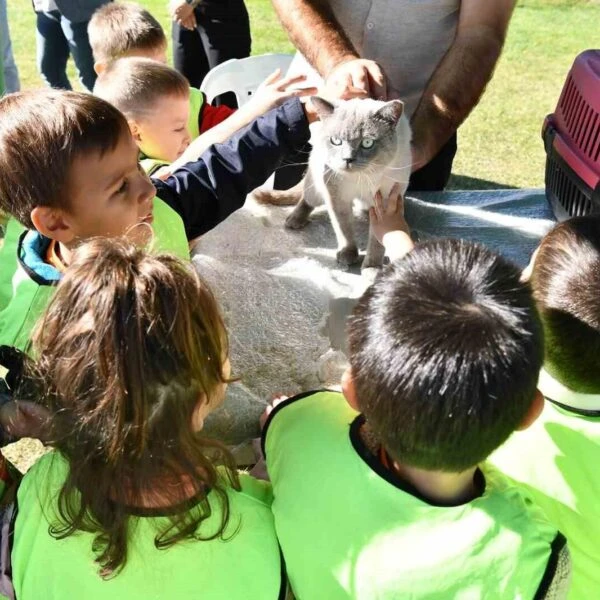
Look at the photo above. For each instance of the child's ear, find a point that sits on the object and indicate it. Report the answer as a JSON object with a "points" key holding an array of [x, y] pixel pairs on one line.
{"points": [[50, 222], [535, 410], [349, 389], [99, 67], [136, 130]]}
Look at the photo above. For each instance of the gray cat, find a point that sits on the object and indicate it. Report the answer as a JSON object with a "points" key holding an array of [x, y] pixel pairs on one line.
{"points": [[361, 146]]}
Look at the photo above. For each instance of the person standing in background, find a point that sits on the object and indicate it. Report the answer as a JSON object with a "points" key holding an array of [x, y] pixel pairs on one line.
{"points": [[62, 31], [437, 56], [11, 73], [207, 33]]}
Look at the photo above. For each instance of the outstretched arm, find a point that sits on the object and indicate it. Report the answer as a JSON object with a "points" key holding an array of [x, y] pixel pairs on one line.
{"points": [[460, 79], [313, 29], [205, 192]]}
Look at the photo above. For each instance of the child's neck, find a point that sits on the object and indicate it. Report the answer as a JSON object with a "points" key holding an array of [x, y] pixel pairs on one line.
{"points": [[65, 254], [438, 486]]}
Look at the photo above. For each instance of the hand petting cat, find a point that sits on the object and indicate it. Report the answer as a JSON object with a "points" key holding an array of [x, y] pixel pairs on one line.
{"points": [[389, 225], [356, 78]]}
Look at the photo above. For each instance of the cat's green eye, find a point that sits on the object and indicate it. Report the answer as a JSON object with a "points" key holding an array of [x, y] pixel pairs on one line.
{"points": [[367, 143], [336, 141]]}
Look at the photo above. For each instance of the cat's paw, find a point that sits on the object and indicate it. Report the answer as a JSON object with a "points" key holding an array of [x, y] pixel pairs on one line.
{"points": [[371, 263], [296, 219], [347, 256]]}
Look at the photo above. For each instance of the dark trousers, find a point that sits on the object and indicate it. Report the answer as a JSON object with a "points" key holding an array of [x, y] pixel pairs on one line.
{"points": [[432, 177], [56, 38], [222, 32]]}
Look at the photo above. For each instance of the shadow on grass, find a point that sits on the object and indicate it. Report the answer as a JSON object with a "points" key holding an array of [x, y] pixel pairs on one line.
{"points": [[462, 182]]}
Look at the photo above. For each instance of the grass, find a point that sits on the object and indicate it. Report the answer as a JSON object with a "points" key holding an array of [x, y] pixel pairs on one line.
{"points": [[499, 145]]}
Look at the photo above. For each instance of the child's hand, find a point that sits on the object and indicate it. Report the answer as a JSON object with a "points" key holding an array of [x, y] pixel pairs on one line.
{"points": [[389, 225], [269, 408], [275, 90], [390, 217]]}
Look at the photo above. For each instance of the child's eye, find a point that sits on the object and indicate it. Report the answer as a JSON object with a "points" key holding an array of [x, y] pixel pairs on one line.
{"points": [[336, 141], [180, 130], [367, 143]]}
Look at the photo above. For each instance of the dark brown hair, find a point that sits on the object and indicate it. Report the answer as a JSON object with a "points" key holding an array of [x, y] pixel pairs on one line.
{"points": [[446, 348], [129, 346], [118, 28], [134, 85], [566, 285], [41, 133]]}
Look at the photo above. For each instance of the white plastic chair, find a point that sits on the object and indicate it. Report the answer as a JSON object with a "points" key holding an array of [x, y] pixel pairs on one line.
{"points": [[242, 76]]}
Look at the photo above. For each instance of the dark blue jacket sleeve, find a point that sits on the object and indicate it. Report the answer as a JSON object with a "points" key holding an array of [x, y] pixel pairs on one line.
{"points": [[207, 191]]}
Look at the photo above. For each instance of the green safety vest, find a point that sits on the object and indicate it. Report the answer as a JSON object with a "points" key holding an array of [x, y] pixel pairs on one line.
{"points": [[30, 297], [243, 565], [8, 259], [196, 103], [349, 531], [558, 459]]}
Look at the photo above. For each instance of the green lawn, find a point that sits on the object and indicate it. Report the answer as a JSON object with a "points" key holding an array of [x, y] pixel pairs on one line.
{"points": [[500, 143]]}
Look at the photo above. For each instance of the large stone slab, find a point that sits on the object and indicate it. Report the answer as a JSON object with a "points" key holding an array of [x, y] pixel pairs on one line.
{"points": [[285, 299]]}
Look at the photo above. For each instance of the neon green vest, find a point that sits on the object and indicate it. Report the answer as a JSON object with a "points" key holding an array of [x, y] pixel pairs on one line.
{"points": [[196, 103], [245, 565], [30, 298], [8, 259], [348, 532], [558, 460]]}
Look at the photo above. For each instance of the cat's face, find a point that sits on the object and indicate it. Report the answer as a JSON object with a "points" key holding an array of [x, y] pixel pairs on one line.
{"points": [[357, 136]]}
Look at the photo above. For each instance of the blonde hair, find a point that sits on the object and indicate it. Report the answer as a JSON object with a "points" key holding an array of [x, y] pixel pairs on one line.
{"points": [[134, 85], [118, 28]]}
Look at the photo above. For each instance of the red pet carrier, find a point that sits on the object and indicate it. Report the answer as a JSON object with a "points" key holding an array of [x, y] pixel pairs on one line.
{"points": [[572, 142]]}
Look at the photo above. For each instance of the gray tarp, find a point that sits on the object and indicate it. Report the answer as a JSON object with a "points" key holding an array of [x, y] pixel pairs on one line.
{"points": [[285, 300]]}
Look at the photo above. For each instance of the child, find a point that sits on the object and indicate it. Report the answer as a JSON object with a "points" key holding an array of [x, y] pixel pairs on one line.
{"points": [[70, 172], [130, 502], [155, 100], [557, 458], [126, 29], [387, 484]]}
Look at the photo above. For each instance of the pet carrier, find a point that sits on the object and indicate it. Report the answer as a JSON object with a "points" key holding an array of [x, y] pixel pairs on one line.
{"points": [[572, 142]]}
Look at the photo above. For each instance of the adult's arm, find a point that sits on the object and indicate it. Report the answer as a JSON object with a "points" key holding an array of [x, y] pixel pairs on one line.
{"points": [[205, 192], [313, 29], [460, 79]]}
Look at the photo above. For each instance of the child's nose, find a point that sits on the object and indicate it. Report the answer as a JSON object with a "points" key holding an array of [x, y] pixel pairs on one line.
{"points": [[147, 191]]}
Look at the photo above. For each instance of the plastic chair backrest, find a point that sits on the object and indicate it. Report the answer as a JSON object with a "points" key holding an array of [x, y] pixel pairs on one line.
{"points": [[242, 76]]}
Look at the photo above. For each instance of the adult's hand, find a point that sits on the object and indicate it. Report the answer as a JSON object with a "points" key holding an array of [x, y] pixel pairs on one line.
{"points": [[182, 13], [356, 78]]}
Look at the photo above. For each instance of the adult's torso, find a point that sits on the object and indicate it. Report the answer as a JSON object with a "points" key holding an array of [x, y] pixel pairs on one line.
{"points": [[408, 38]]}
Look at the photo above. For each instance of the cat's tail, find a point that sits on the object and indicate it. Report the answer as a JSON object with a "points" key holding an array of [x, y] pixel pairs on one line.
{"points": [[279, 197]]}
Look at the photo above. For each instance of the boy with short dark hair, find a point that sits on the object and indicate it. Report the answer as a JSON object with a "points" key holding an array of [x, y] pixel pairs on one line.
{"points": [[386, 483], [557, 458], [71, 172]]}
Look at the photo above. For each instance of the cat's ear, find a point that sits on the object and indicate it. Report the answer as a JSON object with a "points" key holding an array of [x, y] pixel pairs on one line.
{"points": [[323, 107], [391, 111]]}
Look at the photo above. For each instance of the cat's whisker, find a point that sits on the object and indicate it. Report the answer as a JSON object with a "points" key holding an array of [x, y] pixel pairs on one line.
{"points": [[300, 164]]}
